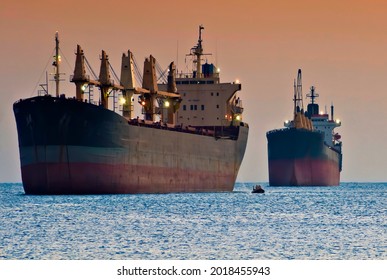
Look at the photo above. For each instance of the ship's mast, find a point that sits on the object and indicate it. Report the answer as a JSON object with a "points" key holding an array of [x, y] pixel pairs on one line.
{"points": [[56, 64], [298, 100], [300, 120], [197, 52], [312, 95], [313, 108]]}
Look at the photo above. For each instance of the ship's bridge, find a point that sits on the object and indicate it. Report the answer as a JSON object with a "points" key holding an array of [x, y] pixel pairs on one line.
{"points": [[208, 75], [188, 79], [207, 102]]}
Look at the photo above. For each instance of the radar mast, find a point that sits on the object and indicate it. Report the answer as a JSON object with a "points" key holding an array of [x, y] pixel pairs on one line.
{"points": [[56, 64], [197, 53]]}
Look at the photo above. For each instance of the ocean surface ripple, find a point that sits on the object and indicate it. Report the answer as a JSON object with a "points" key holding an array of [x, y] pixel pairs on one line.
{"points": [[303, 223]]}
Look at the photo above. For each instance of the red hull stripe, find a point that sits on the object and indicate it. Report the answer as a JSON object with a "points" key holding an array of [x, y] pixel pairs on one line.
{"points": [[95, 178], [303, 172]]}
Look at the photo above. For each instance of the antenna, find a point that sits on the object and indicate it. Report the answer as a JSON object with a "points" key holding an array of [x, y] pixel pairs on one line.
{"points": [[177, 56], [216, 51]]}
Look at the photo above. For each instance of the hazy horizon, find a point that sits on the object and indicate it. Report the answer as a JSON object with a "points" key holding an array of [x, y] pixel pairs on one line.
{"points": [[341, 48]]}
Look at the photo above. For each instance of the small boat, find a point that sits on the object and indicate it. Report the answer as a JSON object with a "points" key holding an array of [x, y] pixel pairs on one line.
{"points": [[258, 189]]}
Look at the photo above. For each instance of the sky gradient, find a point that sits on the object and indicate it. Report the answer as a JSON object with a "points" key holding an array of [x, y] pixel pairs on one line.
{"points": [[341, 47]]}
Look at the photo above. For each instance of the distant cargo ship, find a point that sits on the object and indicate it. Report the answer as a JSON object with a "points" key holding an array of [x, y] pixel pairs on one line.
{"points": [[192, 140], [307, 152]]}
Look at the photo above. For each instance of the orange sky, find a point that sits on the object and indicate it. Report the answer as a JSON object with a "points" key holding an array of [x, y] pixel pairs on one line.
{"points": [[341, 47]]}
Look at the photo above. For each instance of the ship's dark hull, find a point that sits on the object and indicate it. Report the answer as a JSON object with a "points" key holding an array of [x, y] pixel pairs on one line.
{"points": [[71, 147], [299, 157]]}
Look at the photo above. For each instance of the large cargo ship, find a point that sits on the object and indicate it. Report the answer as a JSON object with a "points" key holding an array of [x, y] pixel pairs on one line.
{"points": [[307, 152], [191, 138]]}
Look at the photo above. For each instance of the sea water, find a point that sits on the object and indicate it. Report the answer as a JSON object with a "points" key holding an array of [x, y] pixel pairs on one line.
{"points": [[304, 223]]}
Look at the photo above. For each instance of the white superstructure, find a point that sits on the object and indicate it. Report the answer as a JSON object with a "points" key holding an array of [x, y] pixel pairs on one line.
{"points": [[322, 122], [206, 102]]}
